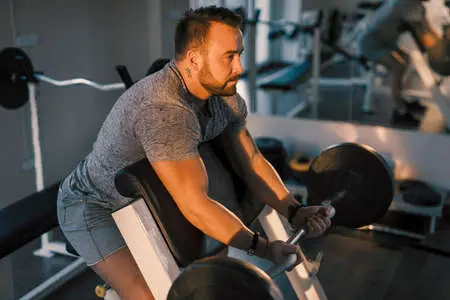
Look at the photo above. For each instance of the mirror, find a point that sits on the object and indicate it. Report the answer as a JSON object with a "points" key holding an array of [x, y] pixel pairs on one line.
{"points": [[354, 71]]}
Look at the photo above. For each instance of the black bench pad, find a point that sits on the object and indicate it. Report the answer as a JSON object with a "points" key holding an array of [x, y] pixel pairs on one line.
{"points": [[268, 68], [27, 219], [287, 78], [186, 242], [370, 5], [183, 239]]}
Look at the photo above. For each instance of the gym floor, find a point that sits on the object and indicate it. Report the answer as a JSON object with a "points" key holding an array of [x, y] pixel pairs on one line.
{"points": [[357, 264]]}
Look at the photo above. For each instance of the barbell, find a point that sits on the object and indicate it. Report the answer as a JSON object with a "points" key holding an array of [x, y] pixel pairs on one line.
{"points": [[352, 177], [17, 71]]}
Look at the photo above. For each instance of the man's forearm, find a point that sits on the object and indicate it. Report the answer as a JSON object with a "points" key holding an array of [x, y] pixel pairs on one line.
{"points": [[217, 221], [268, 187]]}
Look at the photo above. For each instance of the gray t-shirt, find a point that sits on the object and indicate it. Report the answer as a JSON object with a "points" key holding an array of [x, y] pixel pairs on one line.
{"points": [[159, 119], [385, 25]]}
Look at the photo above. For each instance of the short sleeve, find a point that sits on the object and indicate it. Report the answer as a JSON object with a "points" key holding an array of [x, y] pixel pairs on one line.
{"points": [[168, 132], [239, 112]]}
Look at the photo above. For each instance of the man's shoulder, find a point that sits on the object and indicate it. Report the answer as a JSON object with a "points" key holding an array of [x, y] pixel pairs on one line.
{"points": [[161, 88]]}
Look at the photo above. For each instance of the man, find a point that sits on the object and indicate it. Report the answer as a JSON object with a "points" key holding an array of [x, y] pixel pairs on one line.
{"points": [[165, 117], [379, 44]]}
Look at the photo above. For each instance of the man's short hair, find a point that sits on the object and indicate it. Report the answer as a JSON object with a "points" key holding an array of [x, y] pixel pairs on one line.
{"points": [[192, 29]]}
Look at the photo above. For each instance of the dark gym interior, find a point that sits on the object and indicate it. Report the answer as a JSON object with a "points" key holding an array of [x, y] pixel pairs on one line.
{"points": [[403, 255]]}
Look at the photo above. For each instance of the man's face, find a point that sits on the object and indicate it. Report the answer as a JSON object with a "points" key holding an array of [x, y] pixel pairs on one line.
{"points": [[222, 64]]}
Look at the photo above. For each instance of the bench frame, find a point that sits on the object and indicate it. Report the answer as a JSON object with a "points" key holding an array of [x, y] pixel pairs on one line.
{"points": [[158, 266]]}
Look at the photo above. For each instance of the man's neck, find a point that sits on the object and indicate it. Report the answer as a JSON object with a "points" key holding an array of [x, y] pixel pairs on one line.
{"points": [[191, 81]]}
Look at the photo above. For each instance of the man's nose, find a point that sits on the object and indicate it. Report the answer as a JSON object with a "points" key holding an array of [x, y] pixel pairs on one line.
{"points": [[238, 70]]}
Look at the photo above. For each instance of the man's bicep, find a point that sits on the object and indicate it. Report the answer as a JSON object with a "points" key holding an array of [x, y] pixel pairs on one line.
{"points": [[248, 143], [186, 180], [240, 147]]}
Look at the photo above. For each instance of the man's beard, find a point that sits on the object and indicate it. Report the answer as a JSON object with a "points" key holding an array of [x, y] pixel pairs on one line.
{"points": [[214, 87]]}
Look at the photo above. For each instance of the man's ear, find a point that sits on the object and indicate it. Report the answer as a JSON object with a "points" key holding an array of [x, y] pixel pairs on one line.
{"points": [[195, 58]]}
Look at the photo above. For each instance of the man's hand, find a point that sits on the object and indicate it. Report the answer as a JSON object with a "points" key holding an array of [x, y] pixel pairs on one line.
{"points": [[316, 218], [278, 252]]}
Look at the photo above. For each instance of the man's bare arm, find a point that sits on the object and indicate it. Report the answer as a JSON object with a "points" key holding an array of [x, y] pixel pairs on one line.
{"points": [[256, 171], [187, 182]]}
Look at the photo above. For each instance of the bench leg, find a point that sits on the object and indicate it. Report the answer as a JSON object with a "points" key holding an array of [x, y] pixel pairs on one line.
{"points": [[275, 99], [433, 225], [304, 103], [6, 284], [368, 96]]}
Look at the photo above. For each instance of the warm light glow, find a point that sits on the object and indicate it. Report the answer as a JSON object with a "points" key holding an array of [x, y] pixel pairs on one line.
{"points": [[381, 133], [404, 170], [346, 132]]}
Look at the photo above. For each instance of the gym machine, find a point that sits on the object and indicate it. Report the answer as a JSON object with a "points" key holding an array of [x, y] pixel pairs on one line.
{"points": [[283, 77], [430, 64], [358, 184], [290, 77]]}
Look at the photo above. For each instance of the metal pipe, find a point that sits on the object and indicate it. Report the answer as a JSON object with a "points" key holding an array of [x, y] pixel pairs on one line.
{"points": [[12, 22], [315, 74], [343, 81], [81, 81], [251, 57]]}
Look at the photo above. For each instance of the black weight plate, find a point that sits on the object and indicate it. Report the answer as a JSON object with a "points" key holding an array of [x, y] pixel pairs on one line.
{"points": [[13, 96], [223, 278], [359, 170], [14, 64]]}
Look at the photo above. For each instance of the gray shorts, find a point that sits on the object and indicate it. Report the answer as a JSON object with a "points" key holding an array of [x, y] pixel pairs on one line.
{"points": [[87, 224]]}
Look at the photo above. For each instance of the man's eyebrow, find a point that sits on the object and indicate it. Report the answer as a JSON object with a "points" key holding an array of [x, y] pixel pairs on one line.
{"points": [[234, 51]]}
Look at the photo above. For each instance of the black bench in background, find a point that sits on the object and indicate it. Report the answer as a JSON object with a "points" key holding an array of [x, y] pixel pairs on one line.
{"points": [[21, 223], [27, 219]]}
